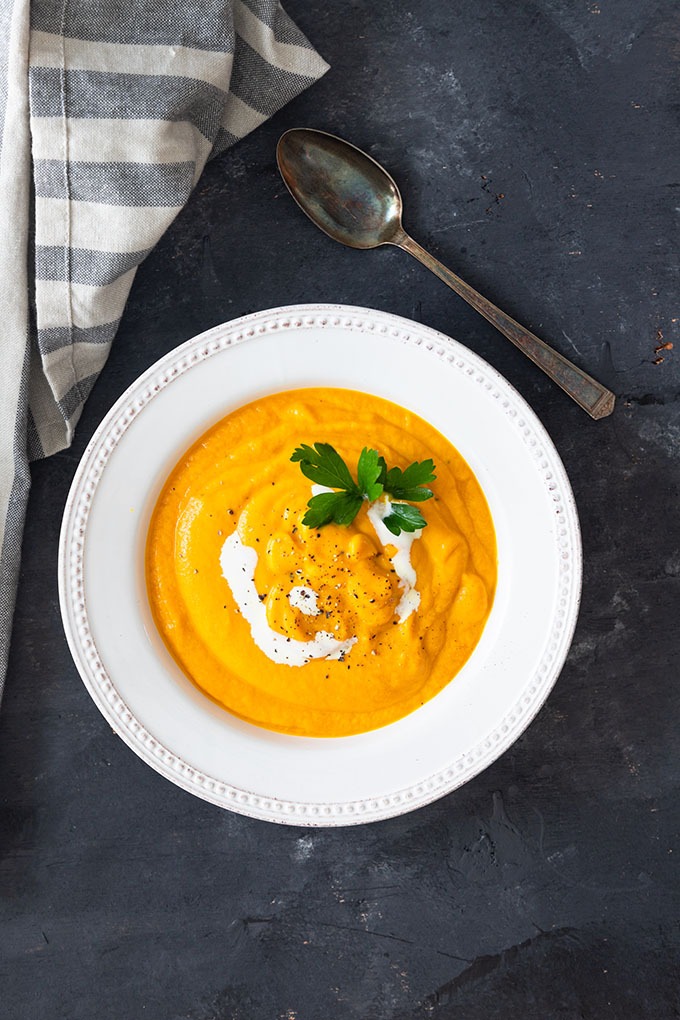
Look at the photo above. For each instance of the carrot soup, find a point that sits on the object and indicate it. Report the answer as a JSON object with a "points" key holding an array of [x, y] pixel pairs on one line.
{"points": [[329, 608]]}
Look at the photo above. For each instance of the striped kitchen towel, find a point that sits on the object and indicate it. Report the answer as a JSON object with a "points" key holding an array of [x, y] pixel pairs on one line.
{"points": [[109, 110]]}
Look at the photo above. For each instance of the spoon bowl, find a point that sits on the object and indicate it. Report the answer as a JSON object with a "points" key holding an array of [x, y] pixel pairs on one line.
{"points": [[342, 189], [355, 201]]}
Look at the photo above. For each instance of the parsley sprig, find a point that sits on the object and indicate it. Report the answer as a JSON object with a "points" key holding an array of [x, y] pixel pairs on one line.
{"points": [[322, 463]]}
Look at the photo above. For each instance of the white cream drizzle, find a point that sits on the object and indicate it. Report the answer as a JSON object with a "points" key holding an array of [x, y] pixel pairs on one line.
{"points": [[401, 561], [304, 599], [239, 562]]}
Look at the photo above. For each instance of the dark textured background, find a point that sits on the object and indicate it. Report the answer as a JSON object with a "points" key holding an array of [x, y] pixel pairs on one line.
{"points": [[536, 144]]}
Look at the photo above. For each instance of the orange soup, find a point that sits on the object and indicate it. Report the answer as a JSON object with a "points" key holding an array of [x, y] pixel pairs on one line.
{"points": [[317, 631]]}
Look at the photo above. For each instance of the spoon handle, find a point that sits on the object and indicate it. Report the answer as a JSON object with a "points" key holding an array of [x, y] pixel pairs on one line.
{"points": [[594, 398]]}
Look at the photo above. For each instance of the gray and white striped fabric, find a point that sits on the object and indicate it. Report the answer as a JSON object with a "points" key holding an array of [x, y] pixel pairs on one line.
{"points": [[119, 104]]}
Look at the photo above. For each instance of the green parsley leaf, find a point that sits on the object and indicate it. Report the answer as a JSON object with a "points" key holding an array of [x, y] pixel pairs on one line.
{"points": [[336, 507], [321, 463], [369, 470], [404, 517], [324, 465], [413, 495], [410, 484]]}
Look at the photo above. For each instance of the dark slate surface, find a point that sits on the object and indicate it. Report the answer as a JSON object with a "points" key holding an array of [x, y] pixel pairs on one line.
{"points": [[536, 145]]}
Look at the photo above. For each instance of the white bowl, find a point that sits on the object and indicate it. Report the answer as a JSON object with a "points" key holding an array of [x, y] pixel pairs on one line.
{"points": [[197, 745]]}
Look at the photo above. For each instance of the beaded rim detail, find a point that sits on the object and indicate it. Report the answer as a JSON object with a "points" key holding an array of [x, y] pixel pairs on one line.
{"points": [[73, 597]]}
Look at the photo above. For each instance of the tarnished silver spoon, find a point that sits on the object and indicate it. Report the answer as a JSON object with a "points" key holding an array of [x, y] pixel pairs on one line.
{"points": [[355, 201]]}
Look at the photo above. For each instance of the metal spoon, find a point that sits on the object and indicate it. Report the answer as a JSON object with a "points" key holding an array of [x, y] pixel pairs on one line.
{"points": [[355, 201]]}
